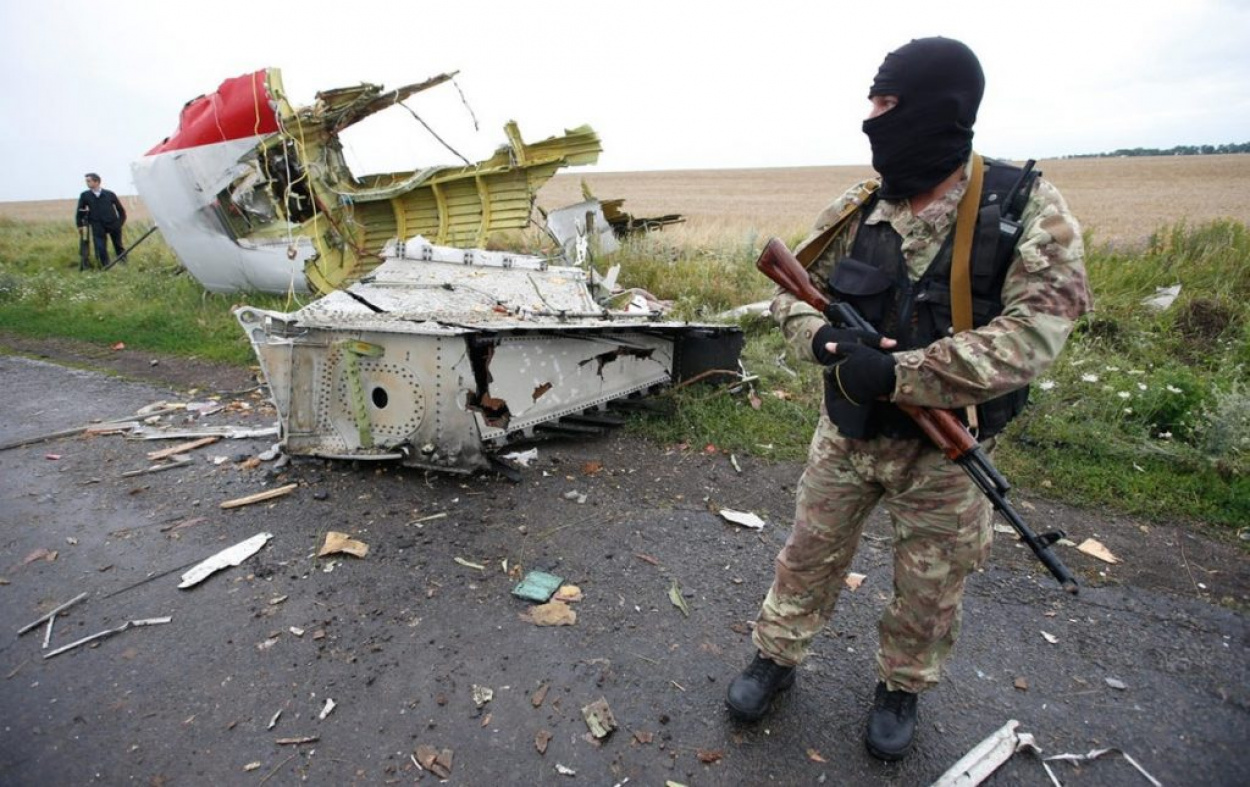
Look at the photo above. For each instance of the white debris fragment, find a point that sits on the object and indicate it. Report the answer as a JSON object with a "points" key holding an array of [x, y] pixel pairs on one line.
{"points": [[273, 721], [1095, 548], [565, 770], [522, 458], [328, 709], [1096, 753], [1116, 684], [482, 695], [1163, 298], [224, 559], [1051, 638], [986, 757], [107, 633], [744, 518]]}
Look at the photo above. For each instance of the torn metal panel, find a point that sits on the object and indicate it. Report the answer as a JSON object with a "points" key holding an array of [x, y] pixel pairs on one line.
{"points": [[467, 351], [254, 193]]}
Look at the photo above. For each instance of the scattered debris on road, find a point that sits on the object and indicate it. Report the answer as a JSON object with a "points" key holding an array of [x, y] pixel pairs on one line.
{"points": [[224, 559], [1095, 754], [744, 518], [1095, 548], [337, 543], [44, 618], [482, 695], [854, 580], [107, 633], [541, 739], [674, 595], [599, 718], [182, 448], [436, 761], [537, 586], [260, 497], [553, 613], [173, 463], [987, 756]]}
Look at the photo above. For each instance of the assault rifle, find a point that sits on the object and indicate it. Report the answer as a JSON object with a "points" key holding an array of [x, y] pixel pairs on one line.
{"points": [[945, 430]]}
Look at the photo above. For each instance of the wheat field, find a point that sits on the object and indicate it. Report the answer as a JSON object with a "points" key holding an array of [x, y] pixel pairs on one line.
{"points": [[1119, 200]]}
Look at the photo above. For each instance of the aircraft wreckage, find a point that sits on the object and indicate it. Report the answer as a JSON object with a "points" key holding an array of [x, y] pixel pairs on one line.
{"points": [[425, 348]]}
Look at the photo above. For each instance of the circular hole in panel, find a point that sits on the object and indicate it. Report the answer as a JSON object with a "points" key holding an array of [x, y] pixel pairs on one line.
{"points": [[379, 397]]}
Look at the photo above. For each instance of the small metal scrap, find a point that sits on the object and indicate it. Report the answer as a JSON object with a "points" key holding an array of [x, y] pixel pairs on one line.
{"points": [[1095, 754], [174, 462], [224, 559], [987, 756], [537, 586], [599, 718], [228, 432], [106, 633], [52, 614], [744, 518], [260, 497]]}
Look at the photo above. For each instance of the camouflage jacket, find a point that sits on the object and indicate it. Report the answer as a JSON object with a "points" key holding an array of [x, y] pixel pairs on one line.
{"points": [[1044, 292]]}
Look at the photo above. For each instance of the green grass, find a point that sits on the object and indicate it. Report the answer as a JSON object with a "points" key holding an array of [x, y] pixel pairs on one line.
{"points": [[147, 302], [1147, 412]]}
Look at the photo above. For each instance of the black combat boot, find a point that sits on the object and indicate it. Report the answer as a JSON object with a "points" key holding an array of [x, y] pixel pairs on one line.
{"points": [[752, 692], [892, 724]]}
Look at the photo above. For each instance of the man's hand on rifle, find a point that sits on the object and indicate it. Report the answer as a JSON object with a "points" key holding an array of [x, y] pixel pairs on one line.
{"points": [[829, 335], [861, 373]]}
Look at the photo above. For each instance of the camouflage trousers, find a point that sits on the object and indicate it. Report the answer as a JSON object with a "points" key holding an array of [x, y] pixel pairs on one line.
{"points": [[941, 534]]}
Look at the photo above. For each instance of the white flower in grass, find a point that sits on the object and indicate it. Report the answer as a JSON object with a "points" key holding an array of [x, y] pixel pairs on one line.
{"points": [[1165, 435], [1128, 410], [1124, 395], [1174, 389], [1089, 378], [1141, 386], [1112, 368], [1046, 385]]}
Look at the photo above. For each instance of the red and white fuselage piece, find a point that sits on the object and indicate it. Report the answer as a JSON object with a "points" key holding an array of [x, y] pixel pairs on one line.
{"points": [[181, 179]]}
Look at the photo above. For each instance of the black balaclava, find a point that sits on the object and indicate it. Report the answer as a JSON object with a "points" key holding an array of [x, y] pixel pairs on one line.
{"points": [[928, 135]]}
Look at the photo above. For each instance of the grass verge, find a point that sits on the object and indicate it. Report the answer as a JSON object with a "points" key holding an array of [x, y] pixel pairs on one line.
{"points": [[1146, 412]]}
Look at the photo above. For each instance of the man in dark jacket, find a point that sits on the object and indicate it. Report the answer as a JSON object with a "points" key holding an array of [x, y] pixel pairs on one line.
{"points": [[100, 209]]}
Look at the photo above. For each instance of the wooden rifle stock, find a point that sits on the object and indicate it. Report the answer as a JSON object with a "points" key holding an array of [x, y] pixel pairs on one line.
{"points": [[946, 431]]}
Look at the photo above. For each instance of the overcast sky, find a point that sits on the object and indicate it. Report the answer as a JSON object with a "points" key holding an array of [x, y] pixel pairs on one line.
{"points": [[668, 85]]}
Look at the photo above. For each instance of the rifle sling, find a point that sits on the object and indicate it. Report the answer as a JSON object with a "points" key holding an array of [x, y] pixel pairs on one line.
{"points": [[961, 260], [811, 251]]}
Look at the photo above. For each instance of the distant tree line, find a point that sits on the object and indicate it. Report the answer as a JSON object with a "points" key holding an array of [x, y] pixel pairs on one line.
{"points": [[1179, 150]]}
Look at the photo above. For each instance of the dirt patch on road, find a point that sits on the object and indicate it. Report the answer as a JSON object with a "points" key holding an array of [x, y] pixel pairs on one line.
{"points": [[179, 373], [1185, 558]]}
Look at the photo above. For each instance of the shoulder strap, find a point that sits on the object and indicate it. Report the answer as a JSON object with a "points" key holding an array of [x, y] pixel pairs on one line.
{"points": [[961, 262], [811, 252]]}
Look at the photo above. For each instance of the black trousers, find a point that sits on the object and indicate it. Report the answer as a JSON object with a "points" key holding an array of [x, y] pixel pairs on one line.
{"points": [[100, 234]]}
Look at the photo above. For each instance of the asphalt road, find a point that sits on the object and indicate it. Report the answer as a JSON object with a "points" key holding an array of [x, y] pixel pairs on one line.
{"points": [[399, 639]]}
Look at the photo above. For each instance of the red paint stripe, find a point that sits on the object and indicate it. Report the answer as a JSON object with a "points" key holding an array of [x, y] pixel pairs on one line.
{"points": [[241, 107]]}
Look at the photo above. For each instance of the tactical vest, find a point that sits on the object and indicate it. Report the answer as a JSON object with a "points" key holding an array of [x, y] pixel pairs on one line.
{"points": [[875, 280]]}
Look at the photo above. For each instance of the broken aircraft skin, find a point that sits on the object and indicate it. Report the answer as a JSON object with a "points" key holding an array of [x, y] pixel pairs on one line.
{"points": [[254, 194], [441, 356]]}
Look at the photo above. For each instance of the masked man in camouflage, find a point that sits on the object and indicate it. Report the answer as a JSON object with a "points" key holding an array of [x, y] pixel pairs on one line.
{"points": [[889, 251]]}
